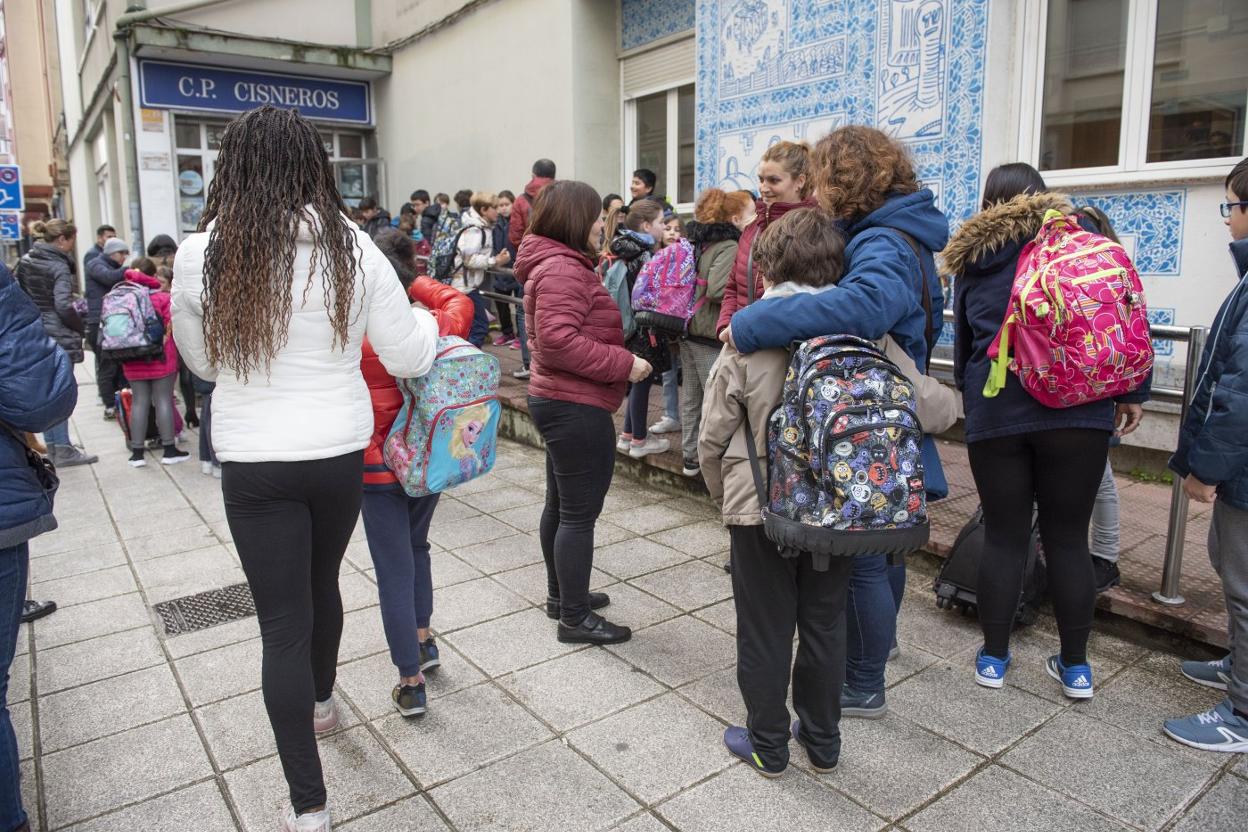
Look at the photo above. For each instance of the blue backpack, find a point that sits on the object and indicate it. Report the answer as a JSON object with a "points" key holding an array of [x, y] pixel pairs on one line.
{"points": [[445, 247]]}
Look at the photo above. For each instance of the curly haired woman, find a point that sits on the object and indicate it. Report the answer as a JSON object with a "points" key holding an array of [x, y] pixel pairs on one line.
{"points": [[272, 300]]}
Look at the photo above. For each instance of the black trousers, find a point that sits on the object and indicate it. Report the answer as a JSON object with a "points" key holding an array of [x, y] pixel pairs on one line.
{"points": [[775, 596], [291, 522], [109, 377], [1058, 472], [580, 459]]}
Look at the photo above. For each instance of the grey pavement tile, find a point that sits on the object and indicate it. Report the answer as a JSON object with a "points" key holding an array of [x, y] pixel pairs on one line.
{"points": [[652, 519], [1222, 809], [82, 782], [357, 591], [19, 679], [633, 608], [940, 632], [77, 562], [1242, 768], [97, 618], [1101, 643], [472, 602], [200, 807], [232, 632], [1140, 701], [722, 615], [630, 558], [488, 482], [452, 509], [579, 688], [875, 751], [26, 770], [740, 799], [703, 539], [98, 658], [642, 823], [719, 695], [607, 533], [690, 586], [360, 777], [545, 789], [500, 499], [161, 522], [368, 682], [1128, 778], [238, 730], [185, 540], [358, 555], [461, 732], [80, 589], [56, 542], [411, 815], [979, 802], [511, 642], [455, 534], [526, 518], [89, 711], [700, 506], [447, 569], [911, 660], [362, 634], [946, 699], [627, 497], [188, 573], [529, 582], [656, 749], [1031, 649], [679, 650], [221, 673], [502, 554], [23, 729]]}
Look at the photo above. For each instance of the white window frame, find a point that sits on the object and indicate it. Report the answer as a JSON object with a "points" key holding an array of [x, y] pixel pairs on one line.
{"points": [[1137, 95], [673, 140]]}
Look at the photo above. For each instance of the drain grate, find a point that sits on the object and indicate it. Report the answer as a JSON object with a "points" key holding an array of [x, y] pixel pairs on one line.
{"points": [[206, 609]]}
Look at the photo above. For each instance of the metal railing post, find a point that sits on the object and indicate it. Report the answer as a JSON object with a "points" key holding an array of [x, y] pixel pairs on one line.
{"points": [[1176, 531]]}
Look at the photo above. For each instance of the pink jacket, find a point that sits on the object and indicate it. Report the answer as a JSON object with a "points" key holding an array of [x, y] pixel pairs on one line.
{"points": [[148, 369]]}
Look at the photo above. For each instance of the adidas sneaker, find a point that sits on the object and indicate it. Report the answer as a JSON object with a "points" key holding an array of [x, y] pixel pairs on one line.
{"points": [[989, 670], [1076, 679]]}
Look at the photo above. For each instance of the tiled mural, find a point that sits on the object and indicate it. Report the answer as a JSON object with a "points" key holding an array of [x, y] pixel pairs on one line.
{"points": [[645, 21], [770, 70], [1150, 224]]}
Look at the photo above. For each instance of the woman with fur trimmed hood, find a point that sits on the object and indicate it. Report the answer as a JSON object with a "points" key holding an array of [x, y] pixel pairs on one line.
{"points": [[1022, 452]]}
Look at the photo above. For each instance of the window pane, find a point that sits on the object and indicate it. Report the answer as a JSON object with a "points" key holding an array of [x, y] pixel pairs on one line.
{"points": [[327, 142], [215, 132], [350, 146], [186, 134], [1199, 83], [1083, 72], [684, 190], [652, 137], [191, 189]]}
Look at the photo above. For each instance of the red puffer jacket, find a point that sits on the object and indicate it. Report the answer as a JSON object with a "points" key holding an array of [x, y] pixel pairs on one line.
{"points": [[521, 209], [453, 311], [735, 293], [575, 333]]}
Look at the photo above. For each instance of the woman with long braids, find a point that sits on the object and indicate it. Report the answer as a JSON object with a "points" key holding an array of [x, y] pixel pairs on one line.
{"points": [[272, 300]]}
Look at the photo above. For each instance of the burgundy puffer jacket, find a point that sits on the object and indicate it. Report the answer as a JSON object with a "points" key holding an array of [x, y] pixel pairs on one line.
{"points": [[574, 328], [736, 294]]}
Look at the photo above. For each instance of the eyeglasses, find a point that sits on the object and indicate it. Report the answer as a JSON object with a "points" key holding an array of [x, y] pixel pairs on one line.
{"points": [[1227, 207]]}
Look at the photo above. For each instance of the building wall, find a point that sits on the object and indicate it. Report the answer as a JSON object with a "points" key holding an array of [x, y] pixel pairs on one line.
{"points": [[328, 23], [32, 106]]}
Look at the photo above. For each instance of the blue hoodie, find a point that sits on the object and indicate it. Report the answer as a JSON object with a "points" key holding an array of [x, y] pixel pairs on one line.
{"points": [[878, 295], [1213, 442]]}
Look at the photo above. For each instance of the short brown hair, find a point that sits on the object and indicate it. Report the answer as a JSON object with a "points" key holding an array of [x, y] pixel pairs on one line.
{"points": [[804, 246], [714, 205], [565, 211], [857, 168], [1237, 180]]}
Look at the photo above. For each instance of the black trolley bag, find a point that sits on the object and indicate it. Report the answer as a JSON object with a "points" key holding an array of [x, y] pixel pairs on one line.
{"points": [[957, 583]]}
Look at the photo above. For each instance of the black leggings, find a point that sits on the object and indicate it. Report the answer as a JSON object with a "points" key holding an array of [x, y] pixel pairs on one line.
{"points": [[291, 522], [1057, 471], [580, 459]]}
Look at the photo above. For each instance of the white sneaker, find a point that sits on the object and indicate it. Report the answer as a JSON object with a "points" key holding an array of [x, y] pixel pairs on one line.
{"points": [[650, 446], [205, 468], [324, 718], [216, 472], [307, 822], [623, 443], [665, 425]]}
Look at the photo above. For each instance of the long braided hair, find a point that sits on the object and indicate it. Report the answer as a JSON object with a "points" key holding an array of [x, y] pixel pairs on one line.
{"points": [[272, 176]]}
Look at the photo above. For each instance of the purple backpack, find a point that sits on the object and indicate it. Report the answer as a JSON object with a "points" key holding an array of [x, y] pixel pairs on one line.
{"points": [[666, 295]]}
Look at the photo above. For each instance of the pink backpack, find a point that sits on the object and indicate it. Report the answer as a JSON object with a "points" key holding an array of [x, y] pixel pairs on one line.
{"points": [[665, 296], [1077, 319]]}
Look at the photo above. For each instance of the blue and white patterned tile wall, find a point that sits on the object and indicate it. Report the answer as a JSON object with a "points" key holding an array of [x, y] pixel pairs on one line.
{"points": [[794, 69], [1150, 224], [645, 21]]}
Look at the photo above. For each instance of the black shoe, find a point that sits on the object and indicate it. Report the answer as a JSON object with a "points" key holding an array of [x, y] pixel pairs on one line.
{"points": [[1107, 574], [173, 455], [34, 610], [409, 700], [691, 468], [594, 630], [110, 413], [597, 600]]}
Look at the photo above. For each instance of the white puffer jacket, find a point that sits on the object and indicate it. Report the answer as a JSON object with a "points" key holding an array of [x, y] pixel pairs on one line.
{"points": [[476, 252], [313, 403]]}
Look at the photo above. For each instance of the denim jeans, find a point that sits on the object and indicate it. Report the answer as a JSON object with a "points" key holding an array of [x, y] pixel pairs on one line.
{"points": [[480, 319], [523, 336], [14, 563], [58, 434], [875, 592]]}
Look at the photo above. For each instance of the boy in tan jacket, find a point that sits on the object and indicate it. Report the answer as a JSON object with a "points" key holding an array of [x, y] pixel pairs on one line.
{"points": [[802, 252]]}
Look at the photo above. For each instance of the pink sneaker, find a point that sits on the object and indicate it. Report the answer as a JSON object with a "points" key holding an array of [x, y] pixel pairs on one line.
{"points": [[502, 340], [515, 344], [325, 716]]}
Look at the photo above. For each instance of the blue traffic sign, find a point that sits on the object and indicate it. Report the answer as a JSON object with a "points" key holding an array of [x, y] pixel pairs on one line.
{"points": [[11, 188], [10, 226]]}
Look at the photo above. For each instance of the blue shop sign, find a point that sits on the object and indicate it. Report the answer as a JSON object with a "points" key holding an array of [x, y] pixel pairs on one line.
{"points": [[165, 85]]}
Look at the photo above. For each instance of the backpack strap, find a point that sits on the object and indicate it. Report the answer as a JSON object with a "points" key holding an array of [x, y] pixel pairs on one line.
{"points": [[924, 294], [749, 275], [759, 485]]}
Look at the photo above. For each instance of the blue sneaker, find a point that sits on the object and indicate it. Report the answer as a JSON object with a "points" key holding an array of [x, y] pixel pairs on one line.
{"points": [[818, 764], [1210, 674], [862, 705], [1076, 680], [989, 670], [1218, 729], [409, 700], [429, 655], [737, 741]]}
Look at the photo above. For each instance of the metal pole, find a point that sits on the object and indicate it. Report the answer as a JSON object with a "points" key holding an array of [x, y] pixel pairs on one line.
{"points": [[1176, 532]]}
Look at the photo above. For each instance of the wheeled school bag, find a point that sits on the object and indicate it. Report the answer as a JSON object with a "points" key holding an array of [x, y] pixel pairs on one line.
{"points": [[844, 444], [130, 328], [123, 403], [665, 295], [1076, 328], [957, 583], [446, 433]]}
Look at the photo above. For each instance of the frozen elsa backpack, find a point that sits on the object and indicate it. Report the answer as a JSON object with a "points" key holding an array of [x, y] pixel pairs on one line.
{"points": [[665, 296], [447, 430], [1077, 324]]}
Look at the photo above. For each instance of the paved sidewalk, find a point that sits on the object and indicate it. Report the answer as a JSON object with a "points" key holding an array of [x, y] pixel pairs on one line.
{"points": [[125, 728]]}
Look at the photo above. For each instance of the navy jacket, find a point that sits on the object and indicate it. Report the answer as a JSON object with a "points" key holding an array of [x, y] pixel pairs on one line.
{"points": [[1213, 442], [982, 258], [37, 390], [102, 274], [879, 294]]}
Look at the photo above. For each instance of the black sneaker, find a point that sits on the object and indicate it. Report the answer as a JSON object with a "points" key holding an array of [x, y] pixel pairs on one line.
{"points": [[691, 469], [409, 700], [34, 610], [429, 655], [594, 630], [137, 459], [174, 455], [1107, 574], [110, 413], [597, 600]]}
